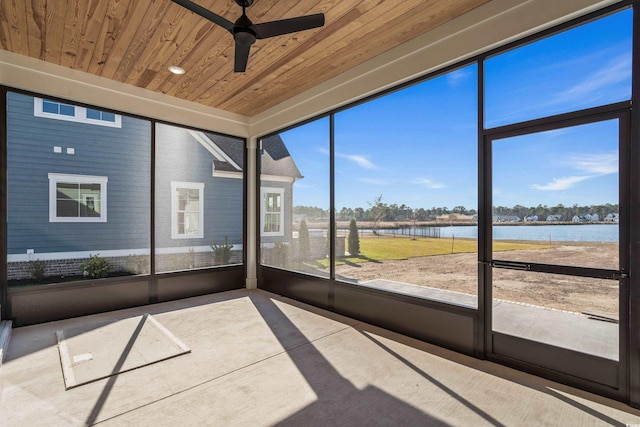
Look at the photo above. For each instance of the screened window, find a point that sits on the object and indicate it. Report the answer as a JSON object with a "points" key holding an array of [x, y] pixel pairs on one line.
{"points": [[579, 68], [188, 209], [77, 198], [74, 113], [273, 215]]}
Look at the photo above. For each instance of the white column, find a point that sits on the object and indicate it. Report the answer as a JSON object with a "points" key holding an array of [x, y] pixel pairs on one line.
{"points": [[252, 214]]}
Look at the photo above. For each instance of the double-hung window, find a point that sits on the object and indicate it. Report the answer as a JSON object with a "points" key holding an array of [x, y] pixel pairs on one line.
{"points": [[77, 198], [272, 212], [187, 212]]}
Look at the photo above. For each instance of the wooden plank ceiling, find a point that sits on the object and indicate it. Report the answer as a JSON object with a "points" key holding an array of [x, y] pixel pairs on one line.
{"points": [[134, 41]]}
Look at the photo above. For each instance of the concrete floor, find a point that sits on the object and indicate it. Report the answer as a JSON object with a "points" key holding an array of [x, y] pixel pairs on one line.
{"points": [[260, 360]]}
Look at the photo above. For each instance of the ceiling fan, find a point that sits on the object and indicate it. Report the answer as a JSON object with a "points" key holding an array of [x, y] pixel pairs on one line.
{"points": [[245, 32]]}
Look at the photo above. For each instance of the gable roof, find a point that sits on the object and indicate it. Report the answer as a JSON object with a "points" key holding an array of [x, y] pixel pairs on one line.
{"points": [[228, 154]]}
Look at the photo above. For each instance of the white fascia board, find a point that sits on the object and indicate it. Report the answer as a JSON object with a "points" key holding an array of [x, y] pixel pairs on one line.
{"points": [[211, 147], [494, 24], [23, 72], [227, 174], [277, 178]]}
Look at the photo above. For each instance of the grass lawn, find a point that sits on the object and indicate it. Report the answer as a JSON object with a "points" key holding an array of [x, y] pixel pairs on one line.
{"points": [[387, 248]]}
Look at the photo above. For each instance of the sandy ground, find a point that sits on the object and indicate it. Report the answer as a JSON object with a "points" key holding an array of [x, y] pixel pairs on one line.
{"points": [[459, 272]]}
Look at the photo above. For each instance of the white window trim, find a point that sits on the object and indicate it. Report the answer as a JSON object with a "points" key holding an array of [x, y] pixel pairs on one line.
{"points": [[54, 178], [174, 209], [79, 117], [263, 211]]}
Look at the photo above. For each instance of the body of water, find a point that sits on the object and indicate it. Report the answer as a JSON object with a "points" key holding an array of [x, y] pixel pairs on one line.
{"points": [[564, 233]]}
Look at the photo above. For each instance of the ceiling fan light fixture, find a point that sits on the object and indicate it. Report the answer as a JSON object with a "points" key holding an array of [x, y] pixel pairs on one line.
{"points": [[244, 37], [176, 70]]}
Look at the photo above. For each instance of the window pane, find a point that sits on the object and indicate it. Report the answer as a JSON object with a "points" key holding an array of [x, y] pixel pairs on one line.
{"points": [[295, 199], [553, 193], [108, 117], [50, 107], [191, 221], [93, 114], [406, 190], [199, 214], [67, 110], [61, 222], [582, 67], [68, 208]]}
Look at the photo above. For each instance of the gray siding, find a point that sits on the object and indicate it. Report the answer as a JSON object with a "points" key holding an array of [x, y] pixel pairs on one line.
{"points": [[121, 154], [179, 157]]}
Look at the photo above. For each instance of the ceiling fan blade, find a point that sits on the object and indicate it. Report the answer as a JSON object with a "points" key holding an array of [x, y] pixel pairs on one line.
{"points": [[205, 13], [286, 26], [241, 58]]}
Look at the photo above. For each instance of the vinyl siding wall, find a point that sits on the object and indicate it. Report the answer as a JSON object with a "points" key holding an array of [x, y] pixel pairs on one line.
{"points": [[180, 158], [120, 154]]}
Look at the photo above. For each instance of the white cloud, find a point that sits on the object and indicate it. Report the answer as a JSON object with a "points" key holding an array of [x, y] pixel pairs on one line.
{"points": [[593, 85], [456, 77], [594, 165], [426, 182], [597, 164], [359, 160], [560, 183]]}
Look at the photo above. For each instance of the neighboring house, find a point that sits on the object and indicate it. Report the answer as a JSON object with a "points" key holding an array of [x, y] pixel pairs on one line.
{"points": [[79, 185], [612, 217], [555, 218], [278, 172], [532, 218]]}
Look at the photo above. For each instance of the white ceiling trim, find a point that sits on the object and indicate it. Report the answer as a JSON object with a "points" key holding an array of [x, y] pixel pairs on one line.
{"points": [[23, 72]]}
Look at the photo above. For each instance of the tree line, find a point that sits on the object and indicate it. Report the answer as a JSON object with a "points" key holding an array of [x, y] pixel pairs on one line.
{"points": [[380, 211]]}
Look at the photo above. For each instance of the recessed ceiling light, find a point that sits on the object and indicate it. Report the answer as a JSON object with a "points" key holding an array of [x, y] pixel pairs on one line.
{"points": [[176, 70]]}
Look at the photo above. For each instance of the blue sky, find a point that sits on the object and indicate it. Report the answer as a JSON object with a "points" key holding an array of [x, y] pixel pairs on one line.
{"points": [[418, 146]]}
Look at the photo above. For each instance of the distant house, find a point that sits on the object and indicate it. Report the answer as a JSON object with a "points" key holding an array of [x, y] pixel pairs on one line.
{"points": [[79, 185], [506, 218], [555, 218], [586, 218], [532, 218], [455, 217], [612, 217]]}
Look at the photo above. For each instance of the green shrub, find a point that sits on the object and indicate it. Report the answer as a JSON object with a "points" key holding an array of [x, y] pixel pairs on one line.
{"points": [[222, 252], [304, 244], [280, 254], [37, 270], [138, 264], [354, 238], [96, 267]]}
